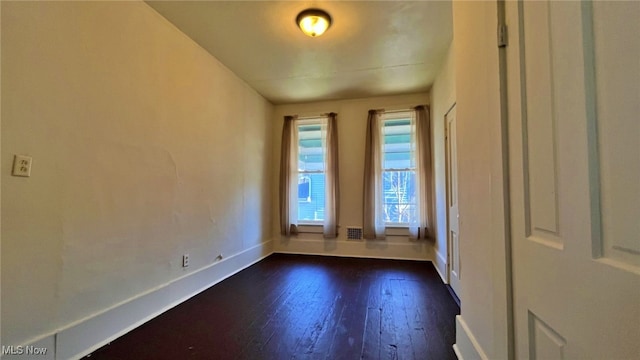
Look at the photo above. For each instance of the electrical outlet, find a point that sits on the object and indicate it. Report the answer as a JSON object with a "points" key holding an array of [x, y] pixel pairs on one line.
{"points": [[185, 260], [22, 165]]}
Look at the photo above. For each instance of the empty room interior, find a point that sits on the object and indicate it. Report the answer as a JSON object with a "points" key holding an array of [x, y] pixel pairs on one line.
{"points": [[415, 180]]}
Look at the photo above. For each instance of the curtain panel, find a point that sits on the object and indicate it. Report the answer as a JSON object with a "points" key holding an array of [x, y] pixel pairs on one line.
{"points": [[373, 221], [332, 185], [289, 177], [423, 228]]}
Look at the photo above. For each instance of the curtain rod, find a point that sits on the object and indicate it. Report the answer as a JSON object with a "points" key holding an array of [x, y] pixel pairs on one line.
{"points": [[404, 110], [401, 110], [396, 111], [306, 117]]}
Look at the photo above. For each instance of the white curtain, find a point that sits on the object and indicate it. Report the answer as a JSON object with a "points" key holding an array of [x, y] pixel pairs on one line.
{"points": [[373, 222], [421, 226], [289, 177], [332, 185]]}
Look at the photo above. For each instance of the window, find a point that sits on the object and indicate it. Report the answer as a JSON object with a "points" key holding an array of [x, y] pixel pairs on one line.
{"points": [[309, 186], [398, 169], [311, 171], [397, 174]]}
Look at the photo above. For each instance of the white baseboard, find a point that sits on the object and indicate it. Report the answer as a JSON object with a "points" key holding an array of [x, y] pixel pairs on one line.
{"points": [[440, 262], [410, 250], [89, 334], [466, 346]]}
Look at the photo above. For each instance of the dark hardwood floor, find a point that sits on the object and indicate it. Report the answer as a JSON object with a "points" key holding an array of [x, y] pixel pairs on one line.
{"points": [[305, 307]]}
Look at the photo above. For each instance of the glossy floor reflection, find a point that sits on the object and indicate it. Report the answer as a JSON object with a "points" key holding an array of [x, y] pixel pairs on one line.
{"points": [[309, 307]]}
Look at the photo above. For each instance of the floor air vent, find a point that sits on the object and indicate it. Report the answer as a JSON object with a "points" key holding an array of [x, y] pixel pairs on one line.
{"points": [[354, 233]]}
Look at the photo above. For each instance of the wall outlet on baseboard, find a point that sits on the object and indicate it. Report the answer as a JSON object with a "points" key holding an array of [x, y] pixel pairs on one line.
{"points": [[185, 260]]}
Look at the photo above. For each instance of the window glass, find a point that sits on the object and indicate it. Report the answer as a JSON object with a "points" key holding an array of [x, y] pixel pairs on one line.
{"points": [[311, 175], [398, 175]]}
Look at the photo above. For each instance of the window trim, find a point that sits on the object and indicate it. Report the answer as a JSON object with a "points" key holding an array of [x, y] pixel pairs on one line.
{"points": [[395, 116], [305, 228], [320, 121], [397, 230]]}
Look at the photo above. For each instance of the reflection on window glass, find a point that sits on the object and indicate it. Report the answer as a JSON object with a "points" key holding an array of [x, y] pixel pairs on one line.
{"points": [[304, 188]]}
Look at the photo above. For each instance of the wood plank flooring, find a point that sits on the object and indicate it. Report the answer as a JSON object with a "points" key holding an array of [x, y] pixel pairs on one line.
{"points": [[305, 307]]}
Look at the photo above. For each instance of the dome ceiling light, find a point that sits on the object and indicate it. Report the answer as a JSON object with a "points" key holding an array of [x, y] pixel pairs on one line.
{"points": [[313, 22]]}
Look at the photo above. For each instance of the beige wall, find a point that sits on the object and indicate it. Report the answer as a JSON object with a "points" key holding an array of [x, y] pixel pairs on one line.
{"points": [[144, 147], [1, 338], [352, 125], [443, 96], [481, 194]]}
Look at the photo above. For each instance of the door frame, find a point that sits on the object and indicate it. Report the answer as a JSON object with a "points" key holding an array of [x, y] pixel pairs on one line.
{"points": [[447, 194]]}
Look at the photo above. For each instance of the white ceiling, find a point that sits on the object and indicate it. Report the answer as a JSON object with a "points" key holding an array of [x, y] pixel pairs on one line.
{"points": [[373, 48]]}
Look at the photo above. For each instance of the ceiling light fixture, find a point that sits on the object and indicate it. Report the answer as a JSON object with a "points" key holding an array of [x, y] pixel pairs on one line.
{"points": [[313, 22]]}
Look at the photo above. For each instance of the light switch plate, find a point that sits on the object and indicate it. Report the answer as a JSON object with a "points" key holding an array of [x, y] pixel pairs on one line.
{"points": [[22, 165]]}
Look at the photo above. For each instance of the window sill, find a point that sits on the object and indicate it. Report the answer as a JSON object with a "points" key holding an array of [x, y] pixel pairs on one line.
{"points": [[318, 229], [396, 231], [310, 228]]}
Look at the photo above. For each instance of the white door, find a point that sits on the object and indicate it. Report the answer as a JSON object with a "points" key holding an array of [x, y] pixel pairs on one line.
{"points": [[452, 200], [573, 73]]}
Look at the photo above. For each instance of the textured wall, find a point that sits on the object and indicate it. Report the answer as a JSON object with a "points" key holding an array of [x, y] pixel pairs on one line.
{"points": [[483, 291], [443, 96], [144, 147]]}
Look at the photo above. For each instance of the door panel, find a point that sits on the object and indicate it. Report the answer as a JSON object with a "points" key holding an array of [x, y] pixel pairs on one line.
{"points": [[545, 342], [539, 133], [452, 199], [574, 88], [617, 28]]}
